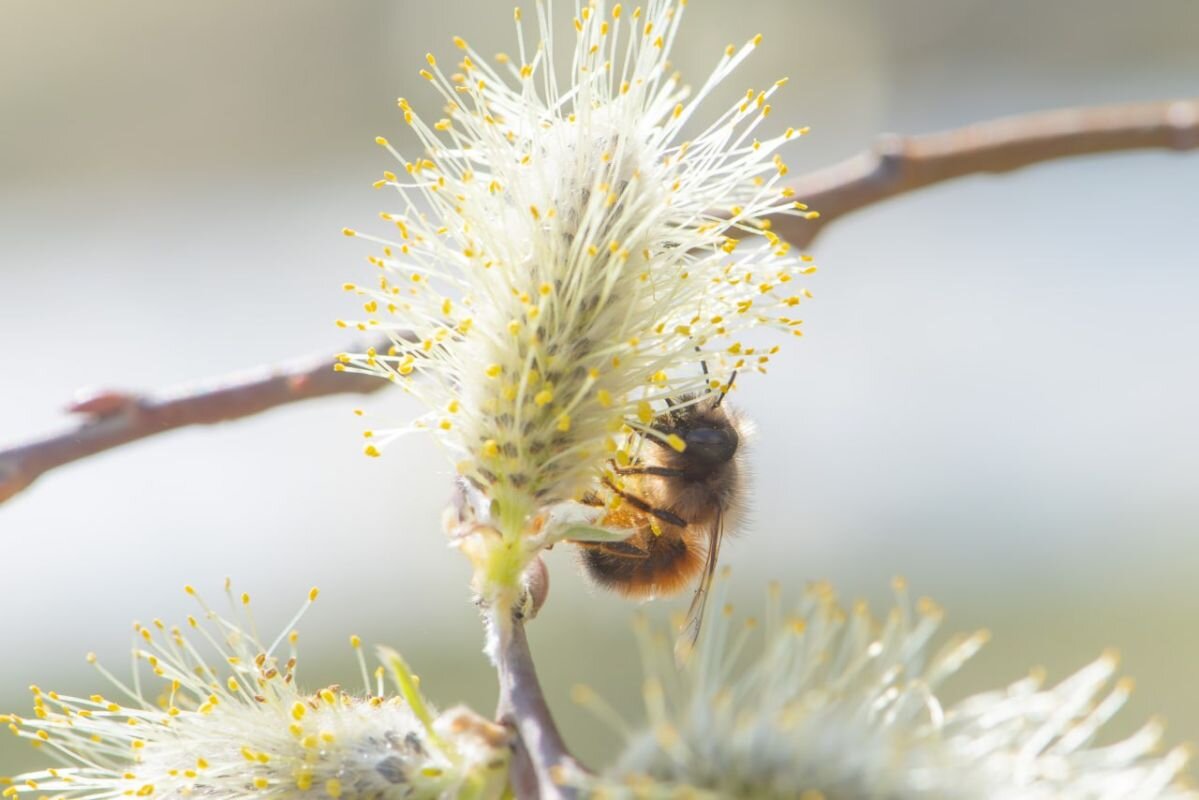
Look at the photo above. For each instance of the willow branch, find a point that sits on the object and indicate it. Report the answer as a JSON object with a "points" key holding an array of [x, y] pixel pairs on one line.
{"points": [[896, 165], [541, 755], [900, 164], [109, 418]]}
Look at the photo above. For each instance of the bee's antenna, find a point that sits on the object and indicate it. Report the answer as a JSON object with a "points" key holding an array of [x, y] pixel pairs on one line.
{"points": [[720, 399]]}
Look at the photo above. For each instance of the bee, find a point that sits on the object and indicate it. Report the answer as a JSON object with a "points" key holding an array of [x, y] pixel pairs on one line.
{"points": [[676, 505]]}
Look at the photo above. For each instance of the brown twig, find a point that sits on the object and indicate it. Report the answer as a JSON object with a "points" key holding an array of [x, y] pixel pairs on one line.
{"points": [[541, 754], [900, 164], [114, 418], [896, 165]]}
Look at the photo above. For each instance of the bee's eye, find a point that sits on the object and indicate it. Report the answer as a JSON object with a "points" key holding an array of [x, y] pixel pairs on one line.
{"points": [[714, 445]]}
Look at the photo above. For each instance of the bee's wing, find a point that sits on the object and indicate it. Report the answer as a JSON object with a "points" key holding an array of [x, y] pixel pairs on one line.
{"points": [[695, 613]]}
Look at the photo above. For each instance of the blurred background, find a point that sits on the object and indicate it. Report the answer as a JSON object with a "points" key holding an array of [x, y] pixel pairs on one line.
{"points": [[996, 396]]}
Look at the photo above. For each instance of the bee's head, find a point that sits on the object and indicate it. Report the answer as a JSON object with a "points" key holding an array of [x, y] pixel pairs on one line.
{"points": [[711, 445], [708, 432]]}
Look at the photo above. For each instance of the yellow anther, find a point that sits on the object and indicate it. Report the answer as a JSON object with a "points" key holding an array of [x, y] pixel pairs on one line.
{"points": [[544, 397], [371, 451]]}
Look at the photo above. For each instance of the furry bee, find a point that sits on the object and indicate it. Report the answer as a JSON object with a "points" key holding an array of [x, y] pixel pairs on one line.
{"points": [[677, 505]]}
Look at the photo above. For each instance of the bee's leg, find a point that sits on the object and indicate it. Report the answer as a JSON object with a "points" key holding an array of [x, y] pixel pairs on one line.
{"points": [[591, 499], [617, 549], [639, 504], [664, 472]]}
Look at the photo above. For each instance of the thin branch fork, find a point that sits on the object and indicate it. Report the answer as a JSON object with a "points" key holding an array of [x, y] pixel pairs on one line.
{"points": [[896, 165]]}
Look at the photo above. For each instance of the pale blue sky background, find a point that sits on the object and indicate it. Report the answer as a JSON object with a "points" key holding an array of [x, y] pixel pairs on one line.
{"points": [[996, 396]]}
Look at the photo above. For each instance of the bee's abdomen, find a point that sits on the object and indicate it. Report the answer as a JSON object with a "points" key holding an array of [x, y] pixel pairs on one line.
{"points": [[644, 564]]}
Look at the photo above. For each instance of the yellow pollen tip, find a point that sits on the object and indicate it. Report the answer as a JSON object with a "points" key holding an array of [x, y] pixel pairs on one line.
{"points": [[676, 442], [372, 451], [379, 140]]}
